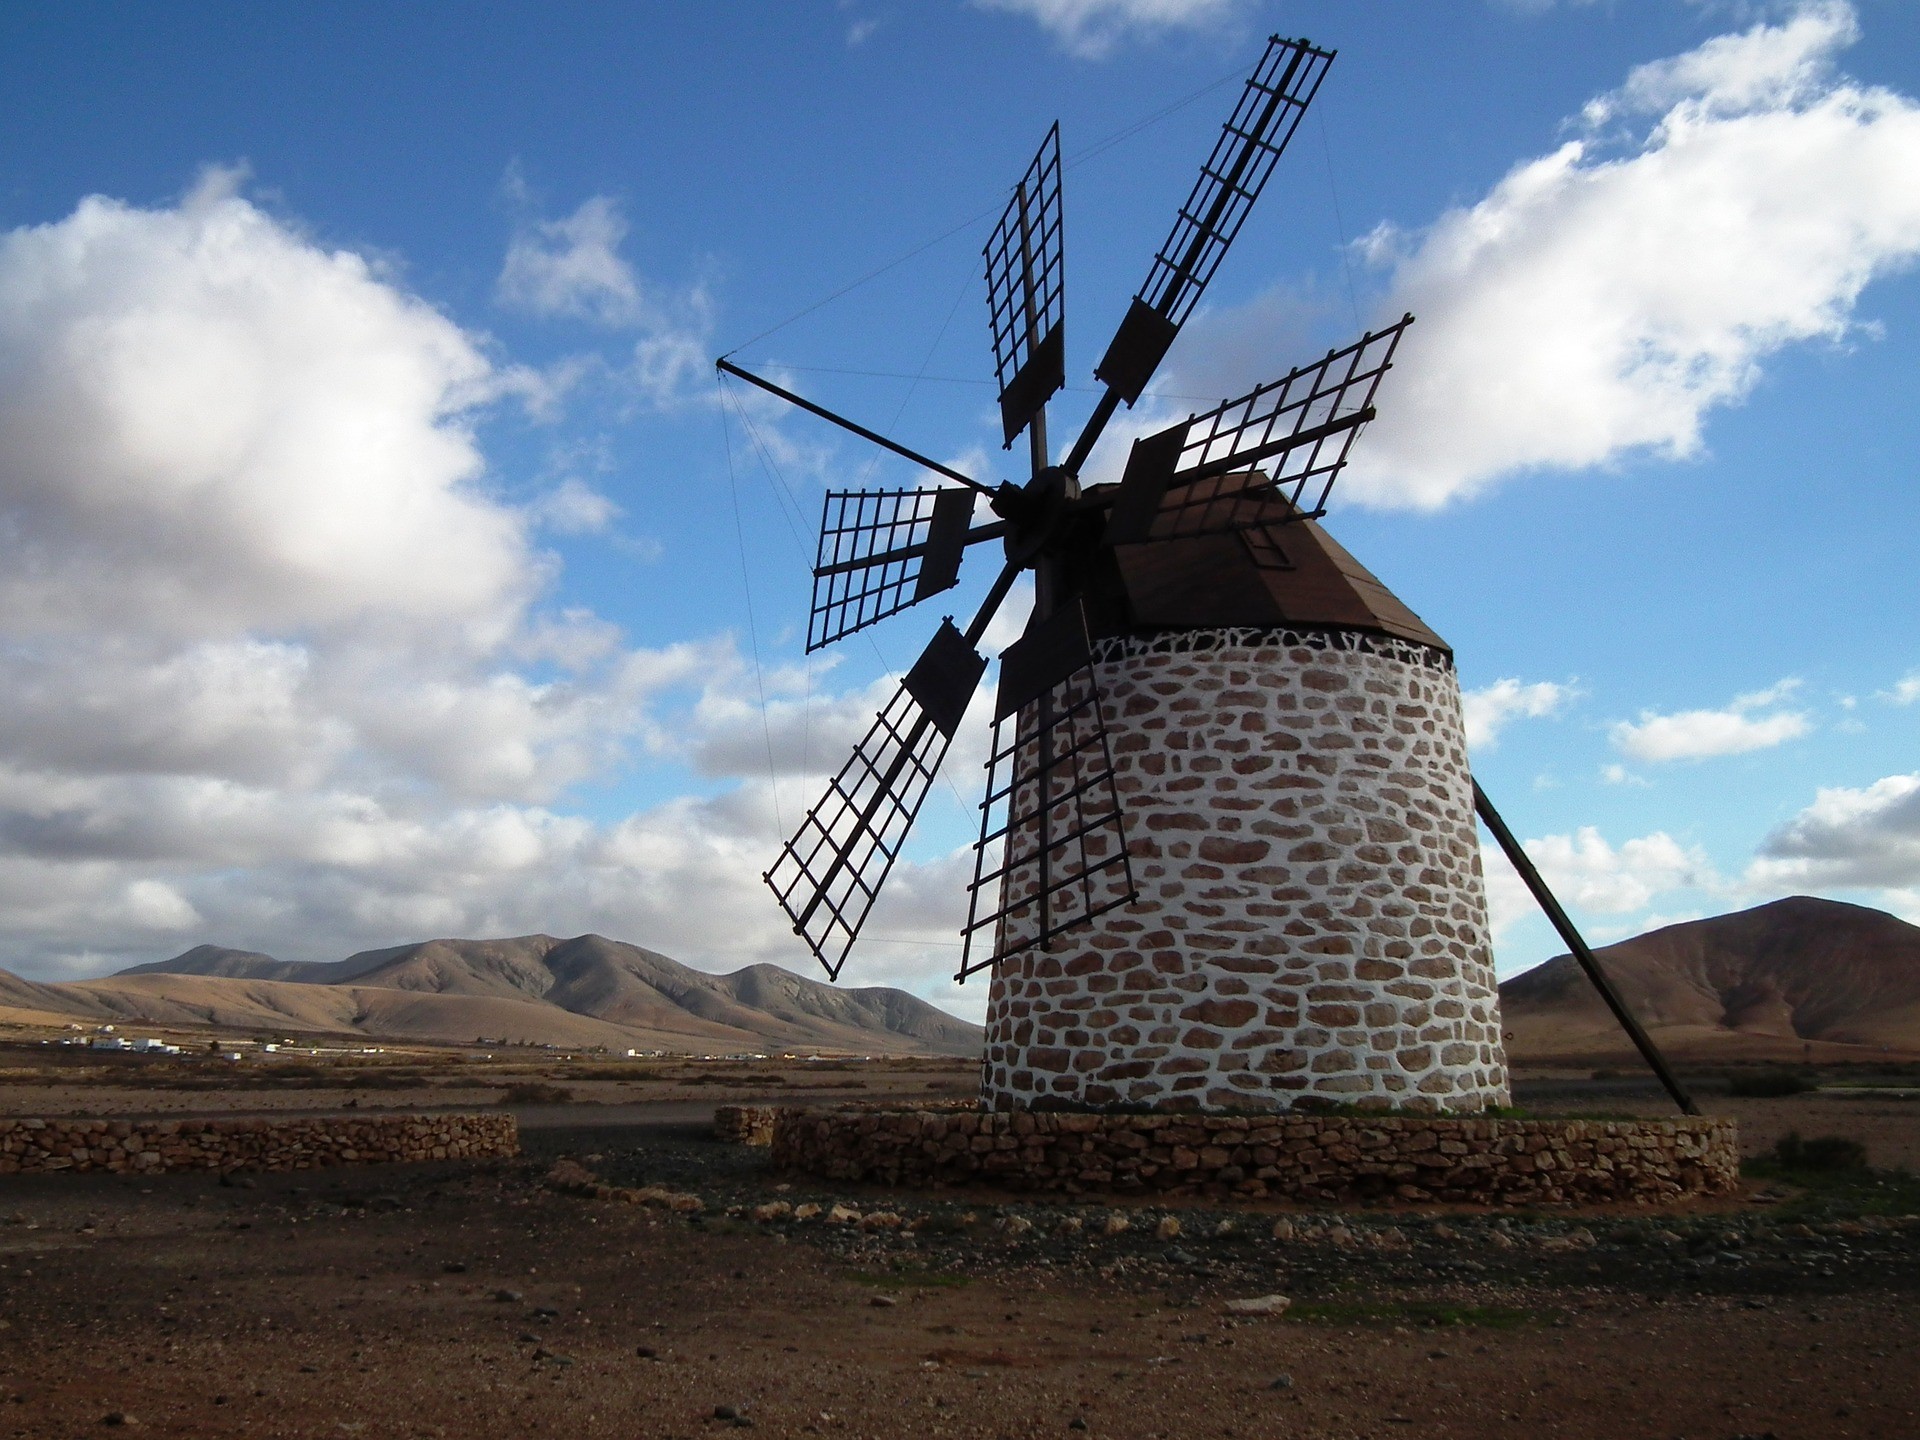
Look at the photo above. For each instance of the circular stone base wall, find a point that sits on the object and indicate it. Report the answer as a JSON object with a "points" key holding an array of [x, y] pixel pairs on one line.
{"points": [[1312, 919], [284, 1142], [1299, 1156]]}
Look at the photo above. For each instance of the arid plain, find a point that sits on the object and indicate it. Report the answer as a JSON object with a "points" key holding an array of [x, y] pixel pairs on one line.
{"points": [[504, 1298]]}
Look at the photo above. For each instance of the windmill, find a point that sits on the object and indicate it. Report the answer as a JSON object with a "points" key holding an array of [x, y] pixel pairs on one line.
{"points": [[1227, 852]]}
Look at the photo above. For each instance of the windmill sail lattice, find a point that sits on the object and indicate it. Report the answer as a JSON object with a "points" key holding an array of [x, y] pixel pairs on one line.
{"points": [[881, 551], [1053, 852], [1298, 430], [829, 874], [1053, 847], [1026, 292], [1276, 95]]}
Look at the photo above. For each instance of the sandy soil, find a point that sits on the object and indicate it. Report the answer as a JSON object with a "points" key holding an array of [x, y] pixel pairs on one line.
{"points": [[430, 1302], [34, 1081], [434, 1301]]}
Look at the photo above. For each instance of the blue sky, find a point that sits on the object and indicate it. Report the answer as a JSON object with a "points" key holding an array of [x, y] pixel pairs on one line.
{"points": [[382, 561]]}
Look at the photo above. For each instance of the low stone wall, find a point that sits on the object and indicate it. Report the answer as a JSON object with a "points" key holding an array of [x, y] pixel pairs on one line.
{"points": [[1297, 1156], [152, 1147], [744, 1124]]}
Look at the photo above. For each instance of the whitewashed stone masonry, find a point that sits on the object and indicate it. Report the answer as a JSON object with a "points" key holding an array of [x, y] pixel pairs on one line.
{"points": [[1312, 918]]}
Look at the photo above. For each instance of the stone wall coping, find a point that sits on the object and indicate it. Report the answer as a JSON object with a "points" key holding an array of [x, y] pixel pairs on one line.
{"points": [[1080, 1122], [1476, 1159], [43, 1145]]}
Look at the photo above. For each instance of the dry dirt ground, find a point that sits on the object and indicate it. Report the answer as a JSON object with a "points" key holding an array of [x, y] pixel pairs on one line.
{"points": [[429, 1300], [44, 1080]]}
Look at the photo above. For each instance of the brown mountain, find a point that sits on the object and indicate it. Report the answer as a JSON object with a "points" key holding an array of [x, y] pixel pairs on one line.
{"points": [[221, 963], [1764, 983], [585, 991]]}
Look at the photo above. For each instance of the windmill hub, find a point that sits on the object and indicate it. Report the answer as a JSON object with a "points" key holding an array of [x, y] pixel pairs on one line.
{"points": [[1037, 512], [1227, 856]]}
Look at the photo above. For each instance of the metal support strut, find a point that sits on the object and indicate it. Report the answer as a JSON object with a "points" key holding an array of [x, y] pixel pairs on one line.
{"points": [[1577, 947]]}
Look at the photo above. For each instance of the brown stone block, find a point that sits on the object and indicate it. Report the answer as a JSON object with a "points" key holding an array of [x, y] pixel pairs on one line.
{"points": [[1225, 851], [1228, 1014], [1333, 1015], [1329, 945], [1253, 964]]}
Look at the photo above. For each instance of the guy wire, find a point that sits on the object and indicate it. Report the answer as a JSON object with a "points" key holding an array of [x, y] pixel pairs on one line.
{"points": [[782, 497], [1333, 190], [1098, 148], [753, 632]]}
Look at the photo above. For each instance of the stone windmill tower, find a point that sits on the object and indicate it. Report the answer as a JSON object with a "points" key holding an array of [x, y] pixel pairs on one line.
{"points": [[1287, 744], [1227, 856]]}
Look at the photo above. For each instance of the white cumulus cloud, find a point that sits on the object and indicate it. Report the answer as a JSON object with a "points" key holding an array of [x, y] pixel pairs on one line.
{"points": [[1905, 691], [1585, 871], [1865, 838], [1588, 874], [1092, 29], [574, 507], [572, 266], [1703, 734], [208, 424], [1603, 299], [1489, 710], [281, 668]]}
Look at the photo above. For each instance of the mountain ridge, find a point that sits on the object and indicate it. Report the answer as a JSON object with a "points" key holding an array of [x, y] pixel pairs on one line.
{"points": [[1775, 978], [585, 990]]}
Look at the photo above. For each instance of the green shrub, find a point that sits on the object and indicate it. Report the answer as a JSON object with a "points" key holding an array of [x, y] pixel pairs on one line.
{"points": [[533, 1094], [1823, 1152], [1770, 1084]]}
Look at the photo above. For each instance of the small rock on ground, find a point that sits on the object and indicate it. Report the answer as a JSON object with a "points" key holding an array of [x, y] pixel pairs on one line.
{"points": [[1258, 1305]]}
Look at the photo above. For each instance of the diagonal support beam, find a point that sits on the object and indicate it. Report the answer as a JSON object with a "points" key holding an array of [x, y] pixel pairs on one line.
{"points": [[1577, 947], [726, 365]]}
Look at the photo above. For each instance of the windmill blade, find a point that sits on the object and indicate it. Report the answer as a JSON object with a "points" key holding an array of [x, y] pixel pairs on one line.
{"points": [[881, 551], [829, 874], [1198, 477], [1026, 292], [1306, 421], [1052, 853], [1275, 97]]}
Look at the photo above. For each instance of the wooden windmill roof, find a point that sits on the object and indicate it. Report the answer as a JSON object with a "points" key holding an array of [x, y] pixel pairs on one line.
{"points": [[1271, 569]]}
